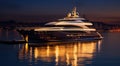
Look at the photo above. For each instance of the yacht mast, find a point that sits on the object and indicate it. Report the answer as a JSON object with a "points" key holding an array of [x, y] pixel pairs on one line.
{"points": [[74, 13]]}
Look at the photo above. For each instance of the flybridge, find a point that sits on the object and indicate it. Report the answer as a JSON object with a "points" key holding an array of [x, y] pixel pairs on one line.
{"points": [[72, 16]]}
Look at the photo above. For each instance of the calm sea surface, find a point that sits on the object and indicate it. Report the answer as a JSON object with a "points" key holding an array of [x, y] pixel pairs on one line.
{"points": [[104, 52]]}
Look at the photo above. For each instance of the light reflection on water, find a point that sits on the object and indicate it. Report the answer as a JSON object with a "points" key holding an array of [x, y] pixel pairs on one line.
{"points": [[94, 53], [60, 53]]}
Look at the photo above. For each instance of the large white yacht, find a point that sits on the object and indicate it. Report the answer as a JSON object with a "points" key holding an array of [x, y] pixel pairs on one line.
{"points": [[70, 28]]}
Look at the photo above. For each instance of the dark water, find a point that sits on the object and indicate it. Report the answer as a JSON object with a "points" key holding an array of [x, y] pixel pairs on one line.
{"points": [[104, 52]]}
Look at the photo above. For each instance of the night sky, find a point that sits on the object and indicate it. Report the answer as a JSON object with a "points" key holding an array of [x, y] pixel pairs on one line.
{"points": [[33, 10]]}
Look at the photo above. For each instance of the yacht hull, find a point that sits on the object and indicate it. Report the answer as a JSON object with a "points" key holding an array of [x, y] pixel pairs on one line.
{"points": [[55, 36]]}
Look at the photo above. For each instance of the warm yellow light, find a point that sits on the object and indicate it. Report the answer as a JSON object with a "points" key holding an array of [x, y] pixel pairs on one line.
{"points": [[48, 51], [75, 55], [26, 38], [36, 53], [70, 53], [64, 29], [56, 54]]}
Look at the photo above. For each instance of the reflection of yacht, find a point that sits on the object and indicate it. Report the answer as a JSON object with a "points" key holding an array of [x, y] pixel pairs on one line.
{"points": [[64, 54], [69, 28]]}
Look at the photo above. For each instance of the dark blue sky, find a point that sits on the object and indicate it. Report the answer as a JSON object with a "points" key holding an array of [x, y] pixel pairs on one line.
{"points": [[101, 10]]}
